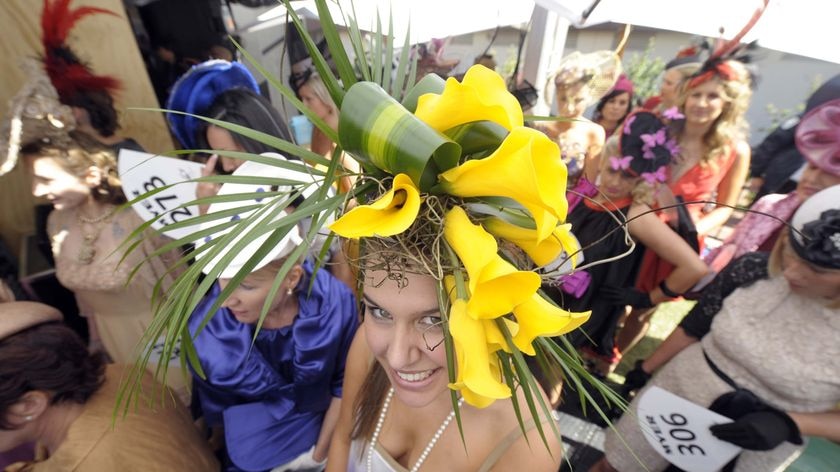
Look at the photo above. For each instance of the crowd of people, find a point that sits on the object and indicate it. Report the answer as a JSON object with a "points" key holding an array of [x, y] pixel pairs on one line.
{"points": [[417, 329]]}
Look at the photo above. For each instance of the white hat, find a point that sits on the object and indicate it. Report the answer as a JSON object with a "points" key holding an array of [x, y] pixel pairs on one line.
{"points": [[817, 224], [292, 239]]}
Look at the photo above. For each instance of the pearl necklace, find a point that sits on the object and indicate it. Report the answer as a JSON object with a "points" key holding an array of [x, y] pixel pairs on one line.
{"points": [[429, 446]]}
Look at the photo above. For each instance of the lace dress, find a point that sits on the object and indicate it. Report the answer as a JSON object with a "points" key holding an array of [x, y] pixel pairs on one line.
{"points": [[121, 310], [779, 345]]}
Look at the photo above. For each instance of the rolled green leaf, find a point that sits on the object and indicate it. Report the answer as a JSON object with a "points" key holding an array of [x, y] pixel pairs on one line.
{"points": [[376, 129], [431, 83]]}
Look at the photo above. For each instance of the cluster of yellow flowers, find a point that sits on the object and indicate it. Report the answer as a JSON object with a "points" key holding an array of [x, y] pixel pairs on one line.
{"points": [[525, 168]]}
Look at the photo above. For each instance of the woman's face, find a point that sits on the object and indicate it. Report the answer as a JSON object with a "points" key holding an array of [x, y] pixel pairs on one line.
{"points": [[51, 181], [807, 279], [308, 97], [616, 184], [813, 180], [669, 88], [704, 103], [401, 325], [571, 100], [616, 107], [220, 139], [246, 301]]}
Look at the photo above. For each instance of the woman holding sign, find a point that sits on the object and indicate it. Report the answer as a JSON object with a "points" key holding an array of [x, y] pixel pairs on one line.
{"points": [[760, 347]]}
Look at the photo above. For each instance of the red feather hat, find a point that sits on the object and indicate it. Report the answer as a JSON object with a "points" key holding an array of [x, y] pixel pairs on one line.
{"points": [[67, 73]]}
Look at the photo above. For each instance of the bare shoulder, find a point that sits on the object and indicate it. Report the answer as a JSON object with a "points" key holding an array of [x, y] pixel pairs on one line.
{"points": [[509, 448]]}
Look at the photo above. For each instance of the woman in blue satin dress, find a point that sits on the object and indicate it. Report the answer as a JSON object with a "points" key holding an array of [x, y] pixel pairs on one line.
{"points": [[274, 395]]}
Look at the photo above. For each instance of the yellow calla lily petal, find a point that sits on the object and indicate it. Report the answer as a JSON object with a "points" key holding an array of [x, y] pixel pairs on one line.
{"points": [[495, 285], [527, 168], [391, 214], [541, 252], [538, 317], [478, 367], [481, 95]]}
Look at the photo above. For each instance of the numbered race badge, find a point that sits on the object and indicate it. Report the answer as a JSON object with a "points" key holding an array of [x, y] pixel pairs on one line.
{"points": [[679, 431], [141, 173]]}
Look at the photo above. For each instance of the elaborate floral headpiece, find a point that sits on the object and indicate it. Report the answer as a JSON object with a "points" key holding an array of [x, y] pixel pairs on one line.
{"points": [[645, 148], [454, 180], [464, 164]]}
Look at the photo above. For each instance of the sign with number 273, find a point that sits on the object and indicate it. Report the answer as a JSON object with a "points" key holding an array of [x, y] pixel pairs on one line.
{"points": [[141, 173]]}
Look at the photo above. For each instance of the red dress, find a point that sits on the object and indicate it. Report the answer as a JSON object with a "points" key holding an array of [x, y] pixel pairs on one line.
{"points": [[699, 183]]}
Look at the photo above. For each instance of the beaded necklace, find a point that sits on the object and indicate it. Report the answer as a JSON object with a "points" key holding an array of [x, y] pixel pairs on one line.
{"points": [[429, 446]]}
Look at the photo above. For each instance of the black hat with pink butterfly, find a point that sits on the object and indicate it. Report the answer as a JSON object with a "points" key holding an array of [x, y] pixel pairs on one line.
{"points": [[645, 147]]}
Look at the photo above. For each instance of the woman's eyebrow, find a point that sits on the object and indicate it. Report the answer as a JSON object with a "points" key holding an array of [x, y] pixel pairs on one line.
{"points": [[430, 311]]}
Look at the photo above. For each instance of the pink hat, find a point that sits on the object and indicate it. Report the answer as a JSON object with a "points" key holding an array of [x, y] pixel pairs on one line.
{"points": [[818, 136], [623, 84]]}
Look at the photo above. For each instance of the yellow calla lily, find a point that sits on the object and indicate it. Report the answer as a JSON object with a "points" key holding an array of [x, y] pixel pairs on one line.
{"points": [[541, 252], [481, 95], [479, 372], [527, 168], [391, 214], [495, 285], [538, 317]]}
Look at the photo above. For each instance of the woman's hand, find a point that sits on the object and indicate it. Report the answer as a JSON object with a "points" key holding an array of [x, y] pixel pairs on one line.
{"points": [[207, 189]]}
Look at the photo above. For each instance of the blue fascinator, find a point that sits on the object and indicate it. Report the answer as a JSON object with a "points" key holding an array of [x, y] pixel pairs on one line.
{"points": [[196, 91]]}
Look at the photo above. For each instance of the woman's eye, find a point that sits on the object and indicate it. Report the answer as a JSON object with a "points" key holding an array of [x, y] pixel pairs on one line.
{"points": [[430, 321], [378, 313]]}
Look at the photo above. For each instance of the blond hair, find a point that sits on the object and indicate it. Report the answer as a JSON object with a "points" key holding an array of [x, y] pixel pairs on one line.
{"points": [[731, 126]]}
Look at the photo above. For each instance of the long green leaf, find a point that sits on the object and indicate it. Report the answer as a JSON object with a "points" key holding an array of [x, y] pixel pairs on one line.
{"points": [[339, 55]]}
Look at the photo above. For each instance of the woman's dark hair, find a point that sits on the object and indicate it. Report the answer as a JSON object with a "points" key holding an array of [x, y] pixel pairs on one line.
{"points": [[51, 358], [247, 108], [603, 101], [99, 106]]}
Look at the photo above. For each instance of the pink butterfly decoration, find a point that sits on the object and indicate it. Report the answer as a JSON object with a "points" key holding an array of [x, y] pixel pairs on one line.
{"points": [[653, 177], [654, 139], [673, 113], [672, 146], [629, 122], [620, 163]]}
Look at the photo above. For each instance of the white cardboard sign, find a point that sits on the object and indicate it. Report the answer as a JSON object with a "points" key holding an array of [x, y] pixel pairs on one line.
{"points": [[679, 431], [141, 173]]}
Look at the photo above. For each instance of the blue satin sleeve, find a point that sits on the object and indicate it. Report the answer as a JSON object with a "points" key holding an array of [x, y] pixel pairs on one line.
{"points": [[271, 392], [235, 372], [325, 326]]}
